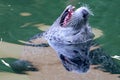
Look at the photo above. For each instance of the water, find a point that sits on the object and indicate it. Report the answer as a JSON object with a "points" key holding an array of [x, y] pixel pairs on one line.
{"points": [[19, 17], [15, 14]]}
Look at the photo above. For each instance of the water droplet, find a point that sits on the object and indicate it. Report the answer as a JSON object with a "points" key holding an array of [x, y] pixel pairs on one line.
{"points": [[9, 5], [11, 9], [78, 2]]}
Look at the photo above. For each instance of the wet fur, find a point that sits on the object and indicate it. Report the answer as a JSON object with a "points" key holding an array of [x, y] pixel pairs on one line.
{"points": [[72, 42]]}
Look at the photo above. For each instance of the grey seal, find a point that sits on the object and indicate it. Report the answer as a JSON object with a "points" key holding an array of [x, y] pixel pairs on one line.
{"points": [[70, 36]]}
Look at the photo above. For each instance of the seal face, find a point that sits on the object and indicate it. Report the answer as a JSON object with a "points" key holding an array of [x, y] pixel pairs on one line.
{"points": [[70, 36], [80, 15]]}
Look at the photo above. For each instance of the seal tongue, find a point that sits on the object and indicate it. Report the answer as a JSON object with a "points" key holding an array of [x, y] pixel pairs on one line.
{"points": [[66, 16]]}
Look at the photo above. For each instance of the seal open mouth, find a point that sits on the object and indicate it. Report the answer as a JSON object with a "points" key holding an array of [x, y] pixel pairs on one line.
{"points": [[80, 14], [67, 15]]}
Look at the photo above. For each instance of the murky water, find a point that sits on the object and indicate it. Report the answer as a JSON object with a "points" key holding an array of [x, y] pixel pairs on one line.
{"points": [[21, 19]]}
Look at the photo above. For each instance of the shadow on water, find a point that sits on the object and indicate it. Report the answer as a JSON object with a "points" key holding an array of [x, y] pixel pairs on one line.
{"points": [[104, 61], [14, 65]]}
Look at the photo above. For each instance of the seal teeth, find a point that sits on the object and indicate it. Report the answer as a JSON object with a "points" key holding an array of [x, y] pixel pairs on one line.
{"points": [[73, 7], [69, 6]]}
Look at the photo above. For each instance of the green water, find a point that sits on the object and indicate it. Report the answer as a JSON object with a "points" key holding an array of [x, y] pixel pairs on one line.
{"points": [[106, 17]]}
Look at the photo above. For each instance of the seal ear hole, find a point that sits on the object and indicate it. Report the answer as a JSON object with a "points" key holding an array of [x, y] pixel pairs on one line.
{"points": [[83, 50], [75, 51]]}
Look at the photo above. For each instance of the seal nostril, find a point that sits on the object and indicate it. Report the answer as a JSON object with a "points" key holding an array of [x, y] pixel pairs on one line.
{"points": [[85, 13]]}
